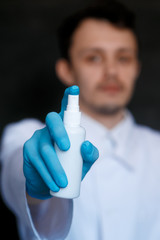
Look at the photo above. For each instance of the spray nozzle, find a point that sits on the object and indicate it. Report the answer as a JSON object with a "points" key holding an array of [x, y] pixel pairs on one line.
{"points": [[73, 103], [72, 115]]}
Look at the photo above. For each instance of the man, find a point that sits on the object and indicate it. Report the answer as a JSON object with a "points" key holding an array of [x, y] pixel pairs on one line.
{"points": [[120, 195]]}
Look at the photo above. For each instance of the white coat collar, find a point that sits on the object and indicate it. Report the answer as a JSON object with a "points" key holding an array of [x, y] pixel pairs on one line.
{"points": [[120, 137]]}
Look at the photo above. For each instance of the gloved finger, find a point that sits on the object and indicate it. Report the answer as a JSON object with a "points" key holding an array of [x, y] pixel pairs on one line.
{"points": [[33, 159], [37, 192], [89, 154], [52, 162], [73, 90], [57, 131]]}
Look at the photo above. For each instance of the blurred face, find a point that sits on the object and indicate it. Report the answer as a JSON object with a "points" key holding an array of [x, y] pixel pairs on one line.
{"points": [[104, 65]]}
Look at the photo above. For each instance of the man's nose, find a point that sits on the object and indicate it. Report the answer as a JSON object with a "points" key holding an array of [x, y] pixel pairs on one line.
{"points": [[110, 68]]}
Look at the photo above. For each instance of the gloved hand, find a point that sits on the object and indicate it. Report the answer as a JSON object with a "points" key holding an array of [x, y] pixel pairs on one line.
{"points": [[41, 166]]}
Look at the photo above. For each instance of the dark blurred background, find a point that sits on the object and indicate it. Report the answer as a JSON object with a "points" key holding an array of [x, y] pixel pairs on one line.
{"points": [[28, 51]]}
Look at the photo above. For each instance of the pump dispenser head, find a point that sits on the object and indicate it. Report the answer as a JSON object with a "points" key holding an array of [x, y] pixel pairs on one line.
{"points": [[73, 103], [72, 115]]}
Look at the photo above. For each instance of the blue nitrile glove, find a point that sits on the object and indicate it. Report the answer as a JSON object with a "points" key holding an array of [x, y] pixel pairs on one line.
{"points": [[41, 166]]}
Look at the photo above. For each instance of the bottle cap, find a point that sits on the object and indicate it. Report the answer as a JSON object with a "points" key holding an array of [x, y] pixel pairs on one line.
{"points": [[72, 115]]}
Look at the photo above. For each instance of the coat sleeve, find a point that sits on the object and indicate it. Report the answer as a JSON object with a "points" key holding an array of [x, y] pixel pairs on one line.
{"points": [[50, 219]]}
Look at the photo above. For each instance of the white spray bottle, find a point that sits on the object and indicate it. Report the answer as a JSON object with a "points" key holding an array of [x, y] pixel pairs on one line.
{"points": [[71, 160]]}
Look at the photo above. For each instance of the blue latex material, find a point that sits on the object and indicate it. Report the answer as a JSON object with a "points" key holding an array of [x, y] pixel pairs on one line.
{"points": [[42, 169]]}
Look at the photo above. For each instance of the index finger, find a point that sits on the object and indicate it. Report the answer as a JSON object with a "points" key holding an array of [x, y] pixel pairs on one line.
{"points": [[73, 90], [57, 131]]}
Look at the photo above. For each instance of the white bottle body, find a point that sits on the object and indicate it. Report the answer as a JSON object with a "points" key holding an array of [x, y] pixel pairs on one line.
{"points": [[71, 162]]}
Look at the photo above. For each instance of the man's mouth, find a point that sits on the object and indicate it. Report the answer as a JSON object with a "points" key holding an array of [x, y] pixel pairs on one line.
{"points": [[113, 89]]}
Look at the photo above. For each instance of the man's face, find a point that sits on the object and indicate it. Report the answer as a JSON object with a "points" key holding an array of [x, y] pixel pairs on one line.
{"points": [[104, 65]]}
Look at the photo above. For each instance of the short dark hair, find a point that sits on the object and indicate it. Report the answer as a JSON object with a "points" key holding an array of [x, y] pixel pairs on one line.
{"points": [[112, 11]]}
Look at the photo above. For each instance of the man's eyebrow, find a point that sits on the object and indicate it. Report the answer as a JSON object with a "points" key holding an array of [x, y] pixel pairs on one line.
{"points": [[99, 50], [126, 49], [88, 50]]}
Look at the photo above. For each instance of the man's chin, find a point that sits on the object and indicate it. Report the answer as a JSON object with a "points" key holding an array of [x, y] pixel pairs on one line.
{"points": [[107, 110]]}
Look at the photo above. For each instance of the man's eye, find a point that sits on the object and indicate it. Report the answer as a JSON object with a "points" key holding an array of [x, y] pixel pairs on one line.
{"points": [[93, 59], [124, 59]]}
